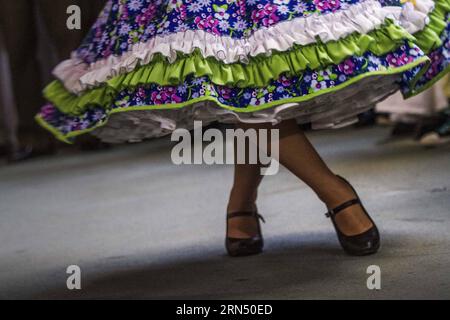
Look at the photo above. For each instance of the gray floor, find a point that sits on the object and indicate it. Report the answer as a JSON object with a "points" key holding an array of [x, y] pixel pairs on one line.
{"points": [[140, 227]]}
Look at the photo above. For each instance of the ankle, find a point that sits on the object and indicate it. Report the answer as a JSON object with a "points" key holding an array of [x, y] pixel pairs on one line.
{"points": [[241, 207], [240, 203], [335, 193]]}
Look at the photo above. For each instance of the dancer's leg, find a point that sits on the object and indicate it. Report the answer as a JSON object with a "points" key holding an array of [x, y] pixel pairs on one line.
{"points": [[247, 178], [298, 155]]}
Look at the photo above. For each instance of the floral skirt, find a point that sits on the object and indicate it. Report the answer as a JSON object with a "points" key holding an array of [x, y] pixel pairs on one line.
{"points": [[148, 67]]}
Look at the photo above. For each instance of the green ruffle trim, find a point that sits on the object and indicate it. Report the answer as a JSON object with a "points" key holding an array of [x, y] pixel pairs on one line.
{"points": [[262, 69], [429, 38], [257, 73], [68, 138], [70, 103]]}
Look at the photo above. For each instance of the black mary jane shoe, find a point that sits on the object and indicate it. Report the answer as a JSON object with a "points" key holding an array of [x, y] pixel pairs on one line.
{"points": [[244, 247], [362, 244]]}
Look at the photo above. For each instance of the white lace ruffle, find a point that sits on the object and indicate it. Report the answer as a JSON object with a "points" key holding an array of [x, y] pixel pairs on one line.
{"points": [[332, 110], [362, 18]]}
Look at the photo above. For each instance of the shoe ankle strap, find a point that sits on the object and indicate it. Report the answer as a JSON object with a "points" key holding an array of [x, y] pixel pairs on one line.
{"points": [[345, 205], [245, 214]]}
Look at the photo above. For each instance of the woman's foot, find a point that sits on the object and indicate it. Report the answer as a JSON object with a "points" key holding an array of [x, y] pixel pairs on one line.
{"points": [[242, 227], [244, 238], [356, 231], [243, 234], [352, 220]]}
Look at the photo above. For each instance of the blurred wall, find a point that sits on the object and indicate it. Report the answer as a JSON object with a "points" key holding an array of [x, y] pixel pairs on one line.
{"points": [[47, 52], [6, 96], [47, 59]]}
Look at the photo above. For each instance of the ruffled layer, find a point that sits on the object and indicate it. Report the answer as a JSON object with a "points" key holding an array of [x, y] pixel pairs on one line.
{"points": [[332, 110], [429, 38], [359, 76], [359, 18], [329, 111], [324, 82], [258, 73], [438, 67]]}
